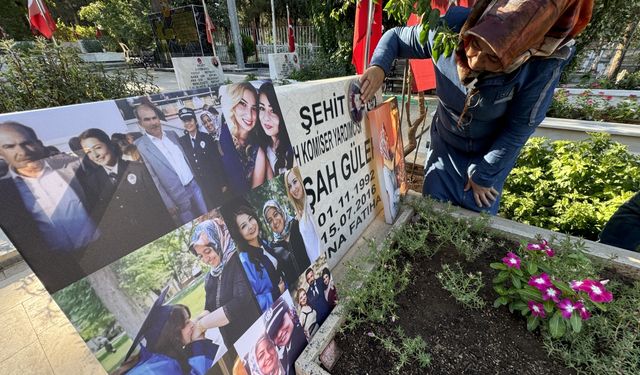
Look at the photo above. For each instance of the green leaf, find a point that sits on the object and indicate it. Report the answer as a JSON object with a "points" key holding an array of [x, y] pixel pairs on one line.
{"points": [[516, 281], [532, 268], [498, 266], [435, 55], [502, 277], [600, 306], [564, 287], [529, 294], [532, 323], [549, 305], [434, 19], [557, 327], [501, 290], [447, 50], [519, 305], [423, 36], [576, 322], [500, 301]]}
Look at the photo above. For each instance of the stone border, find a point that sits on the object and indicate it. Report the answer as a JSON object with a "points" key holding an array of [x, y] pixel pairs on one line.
{"points": [[625, 262]]}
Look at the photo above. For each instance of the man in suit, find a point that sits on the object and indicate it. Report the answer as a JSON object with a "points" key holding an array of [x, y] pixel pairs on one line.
{"points": [[315, 296], [203, 155], [166, 161], [284, 329], [43, 206]]}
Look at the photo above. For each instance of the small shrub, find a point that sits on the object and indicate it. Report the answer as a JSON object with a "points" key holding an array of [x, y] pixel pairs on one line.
{"points": [[570, 187], [46, 75], [92, 45], [595, 108], [464, 287], [248, 47], [322, 66], [405, 350]]}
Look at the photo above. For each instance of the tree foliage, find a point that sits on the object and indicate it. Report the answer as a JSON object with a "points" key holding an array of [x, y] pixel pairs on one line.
{"points": [[47, 76], [13, 19], [125, 21], [85, 309]]}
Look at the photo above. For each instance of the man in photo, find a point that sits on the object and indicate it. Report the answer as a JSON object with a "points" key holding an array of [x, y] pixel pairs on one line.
{"points": [[168, 165], [204, 157], [284, 329], [43, 207], [315, 296]]}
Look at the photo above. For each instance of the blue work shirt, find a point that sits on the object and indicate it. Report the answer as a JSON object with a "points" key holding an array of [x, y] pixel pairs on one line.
{"points": [[500, 118]]}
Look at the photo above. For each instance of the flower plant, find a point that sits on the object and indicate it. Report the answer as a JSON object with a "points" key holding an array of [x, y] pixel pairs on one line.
{"points": [[532, 284], [595, 106]]}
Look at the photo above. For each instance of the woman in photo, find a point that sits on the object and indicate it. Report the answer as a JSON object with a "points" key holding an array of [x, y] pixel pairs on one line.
{"points": [[261, 267], [173, 346], [306, 222], [211, 122], [227, 292], [307, 314], [273, 136], [288, 244], [330, 292], [122, 197], [388, 171], [242, 98], [263, 358]]}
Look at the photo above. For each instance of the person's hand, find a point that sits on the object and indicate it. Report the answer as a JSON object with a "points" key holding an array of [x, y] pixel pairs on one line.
{"points": [[370, 82], [484, 196], [281, 285], [198, 331]]}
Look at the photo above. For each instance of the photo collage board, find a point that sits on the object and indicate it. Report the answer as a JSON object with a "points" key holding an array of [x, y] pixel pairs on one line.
{"points": [[183, 232]]}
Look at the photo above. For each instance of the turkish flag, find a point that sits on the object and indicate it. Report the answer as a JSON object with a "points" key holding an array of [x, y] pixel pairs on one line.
{"points": [[360, 32], [40, 18], [292, 39], [210, 27]]}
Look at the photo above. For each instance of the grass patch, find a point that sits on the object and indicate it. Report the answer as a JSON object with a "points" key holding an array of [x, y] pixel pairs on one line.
{"points": [[111, 361]]}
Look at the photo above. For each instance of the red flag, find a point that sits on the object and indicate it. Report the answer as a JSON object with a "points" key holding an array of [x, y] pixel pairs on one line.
{"points": [[210, 28], [40, 18], [360, 32], [292, 40]]}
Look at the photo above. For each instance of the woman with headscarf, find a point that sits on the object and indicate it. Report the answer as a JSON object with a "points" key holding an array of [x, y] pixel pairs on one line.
{"points": [[241, 100], [272, 133], [306, 223], [288, 244], [227, 293], [172, 344], [261, 267], [494, 89], [263, 358]]}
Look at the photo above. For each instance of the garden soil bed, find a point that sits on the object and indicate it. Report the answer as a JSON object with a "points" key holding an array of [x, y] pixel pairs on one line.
{"points": [[459, 340]]}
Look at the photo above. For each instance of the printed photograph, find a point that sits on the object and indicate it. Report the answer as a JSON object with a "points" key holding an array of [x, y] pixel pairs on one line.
{"points": [[174, 306], [255, 133], [179, 143], [274, 342], [315, 297], [73, 198]]}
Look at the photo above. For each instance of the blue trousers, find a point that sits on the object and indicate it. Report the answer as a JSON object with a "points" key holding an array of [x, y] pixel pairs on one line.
{"points": [[196, 205], [446, 171]]}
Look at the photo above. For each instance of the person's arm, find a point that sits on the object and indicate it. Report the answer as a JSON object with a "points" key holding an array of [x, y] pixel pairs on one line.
{"points": [[260, 173], [526, 111]]}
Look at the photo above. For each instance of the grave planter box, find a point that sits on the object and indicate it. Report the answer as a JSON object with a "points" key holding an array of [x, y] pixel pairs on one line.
{"points": [[322, 347]]}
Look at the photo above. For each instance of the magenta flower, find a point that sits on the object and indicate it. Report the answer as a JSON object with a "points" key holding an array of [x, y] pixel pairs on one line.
{"points": [[609, 97], [597, 292], [511, 260], [590, 101], [584, 313], [578, 286], [551, 293], [536, 309], [542, 246], [541, 281], [567, 308]]}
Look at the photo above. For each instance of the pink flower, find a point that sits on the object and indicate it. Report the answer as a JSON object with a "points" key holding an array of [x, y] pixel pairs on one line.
{"points": [[584, 313], [578, 286], [600, 92], [567, 307], [551, 293], [595, 85], [542, 246], [536, 309], [590, 101], [511, 260], [597, 292], [609, 97], [541, 281]]}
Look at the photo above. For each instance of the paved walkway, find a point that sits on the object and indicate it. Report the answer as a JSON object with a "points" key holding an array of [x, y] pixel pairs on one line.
{"points": [[35, 335]]}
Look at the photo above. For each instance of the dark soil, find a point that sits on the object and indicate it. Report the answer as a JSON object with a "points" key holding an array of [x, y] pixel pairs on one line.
{"points": [[459, 340], [415, 176]]}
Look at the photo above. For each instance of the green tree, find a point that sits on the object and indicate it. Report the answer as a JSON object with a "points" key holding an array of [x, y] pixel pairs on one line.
{"points": [[48, 76], [123, 20], [84, 308], [14, 19]]}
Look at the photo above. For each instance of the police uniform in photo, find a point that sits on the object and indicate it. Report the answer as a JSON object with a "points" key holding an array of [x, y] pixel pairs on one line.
{"points": [[206, 162]]}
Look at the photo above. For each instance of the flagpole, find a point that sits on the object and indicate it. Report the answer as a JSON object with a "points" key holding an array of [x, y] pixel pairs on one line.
{"points": [[206, 15], [273, 25], [288, 20], [41, 9], [368, 39]]}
